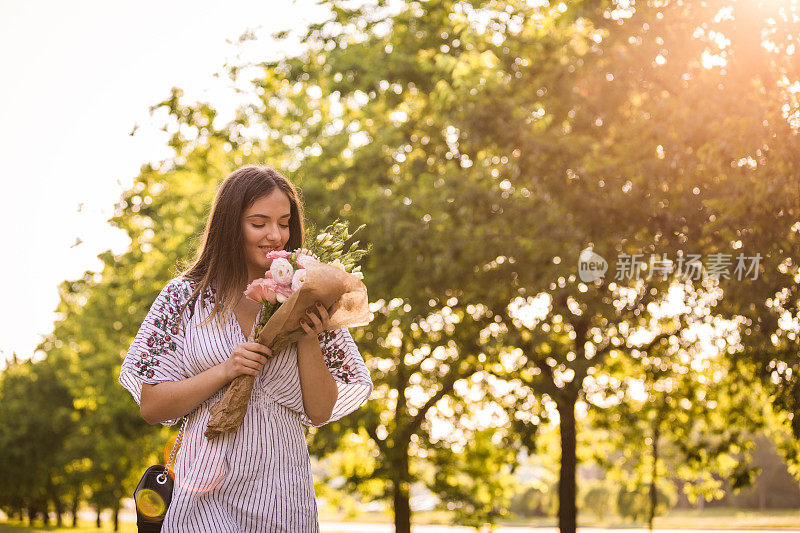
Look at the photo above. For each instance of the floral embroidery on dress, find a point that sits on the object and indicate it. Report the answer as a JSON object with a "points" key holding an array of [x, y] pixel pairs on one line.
{"points": [[334, 354], [208, 297], [167, 323]]}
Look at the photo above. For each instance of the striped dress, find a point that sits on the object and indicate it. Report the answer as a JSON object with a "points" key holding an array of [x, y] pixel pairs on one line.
{"points": [[259, 478]]}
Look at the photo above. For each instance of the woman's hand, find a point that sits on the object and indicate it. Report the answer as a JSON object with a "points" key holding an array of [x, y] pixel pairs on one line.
{"points": [[317, 320], [248, 358]]}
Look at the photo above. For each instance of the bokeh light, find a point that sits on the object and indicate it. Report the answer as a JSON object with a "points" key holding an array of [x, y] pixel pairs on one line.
{"points": [[150, 503]]}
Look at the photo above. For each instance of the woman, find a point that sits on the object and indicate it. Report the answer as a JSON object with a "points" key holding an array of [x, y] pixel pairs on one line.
{"points": [[193, 342]]}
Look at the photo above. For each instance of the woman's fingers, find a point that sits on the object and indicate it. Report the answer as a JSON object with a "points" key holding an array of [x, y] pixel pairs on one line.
{"points": [[257, 348], [323, 312], [324, 317], [242, 365], [253, 361], [251, 364], [313, 317], [316, 319], [249, 360], [318, 323]]}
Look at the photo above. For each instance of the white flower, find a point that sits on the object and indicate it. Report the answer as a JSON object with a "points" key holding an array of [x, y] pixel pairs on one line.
{"points": [[298, 279], [359, 275], [281, 270], [338, 264]]}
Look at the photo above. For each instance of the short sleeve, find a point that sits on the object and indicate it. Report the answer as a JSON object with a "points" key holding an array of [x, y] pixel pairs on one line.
{"points": [[156, 353], [348, 369]]}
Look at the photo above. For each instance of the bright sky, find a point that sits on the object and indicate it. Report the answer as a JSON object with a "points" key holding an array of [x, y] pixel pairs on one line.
{"points": [[77, 77]]}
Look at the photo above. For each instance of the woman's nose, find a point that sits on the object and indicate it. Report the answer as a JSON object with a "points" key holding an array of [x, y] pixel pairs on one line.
{"points": [[273, 234]]}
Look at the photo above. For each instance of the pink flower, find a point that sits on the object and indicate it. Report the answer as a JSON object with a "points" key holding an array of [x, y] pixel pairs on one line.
{"points": [[282, 271], [282, 292], [304, 260], [262, 291], [278, 254]]}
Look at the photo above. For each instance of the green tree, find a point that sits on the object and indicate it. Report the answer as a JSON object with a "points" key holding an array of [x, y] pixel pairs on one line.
{"points": [[460, 477], [678, 417], [36, 414], [604, 126]]}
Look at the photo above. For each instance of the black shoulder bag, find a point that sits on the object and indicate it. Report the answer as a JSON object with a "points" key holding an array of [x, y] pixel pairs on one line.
{"points": [[153, 494]]}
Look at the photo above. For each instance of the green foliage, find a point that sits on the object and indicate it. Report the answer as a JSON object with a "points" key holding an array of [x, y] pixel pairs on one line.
{"points": [[534, 501], [598, 499], [461, 479], [634, 501], [681, 407], [38, 420]]}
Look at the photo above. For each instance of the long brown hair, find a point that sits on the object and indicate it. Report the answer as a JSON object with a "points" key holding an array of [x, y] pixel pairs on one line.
{"points": [[220, 261]]}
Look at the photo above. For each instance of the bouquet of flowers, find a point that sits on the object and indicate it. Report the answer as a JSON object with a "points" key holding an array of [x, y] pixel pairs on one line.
{"points": [[322, 272]]}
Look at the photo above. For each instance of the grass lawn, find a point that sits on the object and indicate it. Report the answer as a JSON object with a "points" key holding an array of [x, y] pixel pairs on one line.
{"points": [[709, 519], [729, 518], [83, 527]]}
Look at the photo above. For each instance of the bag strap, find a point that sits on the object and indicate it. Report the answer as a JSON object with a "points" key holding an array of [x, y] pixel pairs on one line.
{"points": [[175, 446]]}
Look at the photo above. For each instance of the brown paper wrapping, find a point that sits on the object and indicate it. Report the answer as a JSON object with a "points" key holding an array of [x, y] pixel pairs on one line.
{"points": [[342, 294]]}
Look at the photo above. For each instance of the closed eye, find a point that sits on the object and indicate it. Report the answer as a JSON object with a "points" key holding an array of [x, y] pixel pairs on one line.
{"points": [[262, 225]]}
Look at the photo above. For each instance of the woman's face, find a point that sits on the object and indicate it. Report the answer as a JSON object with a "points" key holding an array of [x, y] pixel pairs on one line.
{"points": [[265, 226]]}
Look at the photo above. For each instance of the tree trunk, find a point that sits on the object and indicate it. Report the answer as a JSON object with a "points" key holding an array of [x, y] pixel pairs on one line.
{"points": [[116, 518], [98, 517], [567, 489], [58, 505], [654, 475], [31, 515], [400, 487], [74, 509]]}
